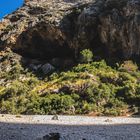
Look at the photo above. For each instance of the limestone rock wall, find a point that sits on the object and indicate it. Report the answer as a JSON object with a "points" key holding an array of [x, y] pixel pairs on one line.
{"points": [[55, 28], [115, 24]]}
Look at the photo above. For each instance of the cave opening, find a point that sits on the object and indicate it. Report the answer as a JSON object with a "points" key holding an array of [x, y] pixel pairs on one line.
{"points": [[43, 47]]}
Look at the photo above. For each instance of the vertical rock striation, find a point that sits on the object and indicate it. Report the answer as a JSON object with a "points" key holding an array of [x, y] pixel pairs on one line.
{"points": [[115, 24]]}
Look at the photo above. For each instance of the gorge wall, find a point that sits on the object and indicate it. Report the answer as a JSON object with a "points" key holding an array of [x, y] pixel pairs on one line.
{"points": [[50, 28]]}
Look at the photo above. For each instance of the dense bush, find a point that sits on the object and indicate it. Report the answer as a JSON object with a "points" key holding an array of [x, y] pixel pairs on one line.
{"points": [[91, 87]]}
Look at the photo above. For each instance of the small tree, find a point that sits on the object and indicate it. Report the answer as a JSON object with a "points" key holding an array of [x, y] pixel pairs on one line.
{"points": [[86, 56]]}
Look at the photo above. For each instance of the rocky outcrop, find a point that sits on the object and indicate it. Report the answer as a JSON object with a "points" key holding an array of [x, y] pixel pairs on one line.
{"points": [[44, 28], [59, 29]]}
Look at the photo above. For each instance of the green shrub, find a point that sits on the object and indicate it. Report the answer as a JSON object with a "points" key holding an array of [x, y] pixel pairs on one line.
{"points": [[16, 71], [101, 64], [14, 98], [86, 107], [51, 104], [128, 66], [115, 107], [32, 82], [86, 56]]}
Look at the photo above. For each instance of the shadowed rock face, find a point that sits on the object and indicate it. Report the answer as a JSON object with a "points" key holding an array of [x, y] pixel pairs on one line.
{"points": [[115, 24], [49, 29], [44, 28], [43, 41]]}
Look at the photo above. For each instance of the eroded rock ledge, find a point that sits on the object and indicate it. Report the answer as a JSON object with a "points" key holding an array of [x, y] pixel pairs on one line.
{"points": [[50, 28]]}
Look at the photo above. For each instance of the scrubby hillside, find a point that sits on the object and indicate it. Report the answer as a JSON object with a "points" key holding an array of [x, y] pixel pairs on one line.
{"points": [[93, 88], [71, 57]]}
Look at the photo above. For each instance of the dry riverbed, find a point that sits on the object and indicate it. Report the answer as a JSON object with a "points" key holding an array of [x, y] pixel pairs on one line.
{"points": [[68, 128]]}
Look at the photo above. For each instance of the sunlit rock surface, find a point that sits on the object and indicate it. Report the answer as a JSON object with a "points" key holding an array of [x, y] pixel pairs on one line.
{"points": [[50, 28]]}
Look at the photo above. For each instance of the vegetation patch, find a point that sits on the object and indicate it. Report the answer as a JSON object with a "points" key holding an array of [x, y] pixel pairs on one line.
{"points": [[88, 88]]}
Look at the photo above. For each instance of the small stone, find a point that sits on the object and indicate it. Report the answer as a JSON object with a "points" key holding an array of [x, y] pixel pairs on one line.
{"points": [[108, 120], [52, 136], [18, 116], [55, 117]]}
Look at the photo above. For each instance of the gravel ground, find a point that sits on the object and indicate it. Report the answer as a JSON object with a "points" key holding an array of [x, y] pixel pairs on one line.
{"points": [[69, 127]]}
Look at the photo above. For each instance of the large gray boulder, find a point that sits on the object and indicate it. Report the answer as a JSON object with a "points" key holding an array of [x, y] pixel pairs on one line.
{"points": [[47, 68]]}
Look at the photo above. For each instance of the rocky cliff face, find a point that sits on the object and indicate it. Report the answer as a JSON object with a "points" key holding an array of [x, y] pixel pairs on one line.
{"points": [[116, 24], [44, 28], [50, 28]]}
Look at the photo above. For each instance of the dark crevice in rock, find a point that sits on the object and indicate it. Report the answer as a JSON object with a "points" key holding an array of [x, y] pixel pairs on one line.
{"points": [[42, 45]]}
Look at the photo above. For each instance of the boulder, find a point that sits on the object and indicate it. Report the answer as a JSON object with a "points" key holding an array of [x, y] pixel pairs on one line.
{"points": [[51, 136], [47, 68], [55, 117]]}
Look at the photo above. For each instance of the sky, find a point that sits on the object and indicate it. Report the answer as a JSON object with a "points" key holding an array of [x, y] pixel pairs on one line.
{"points": [[9, 6]]}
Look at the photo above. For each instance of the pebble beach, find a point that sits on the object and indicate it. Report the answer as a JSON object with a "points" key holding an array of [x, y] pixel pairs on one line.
{"points": [[36, 127]]}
